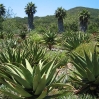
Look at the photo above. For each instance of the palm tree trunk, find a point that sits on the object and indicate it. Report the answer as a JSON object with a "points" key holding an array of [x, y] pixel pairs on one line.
{"points": [[83, 27], [30, 21], [60, 25]]}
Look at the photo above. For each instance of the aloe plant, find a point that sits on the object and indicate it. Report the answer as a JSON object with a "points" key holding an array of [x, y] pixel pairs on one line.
{"points": [[33, 52], [11, 56], [49, 39], [27, 82], [74, 40], [87, 73]]}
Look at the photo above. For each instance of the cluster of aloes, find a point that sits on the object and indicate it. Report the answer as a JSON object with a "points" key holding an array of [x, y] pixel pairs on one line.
{"points": [[27, 82], [74, 40], [33, 52], [31, 78], [86, 75]]}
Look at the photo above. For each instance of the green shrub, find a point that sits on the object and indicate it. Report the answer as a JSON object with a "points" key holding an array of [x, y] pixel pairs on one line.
{"points": [[34, 36], [73, 40], [85, 46], [86, 73]]}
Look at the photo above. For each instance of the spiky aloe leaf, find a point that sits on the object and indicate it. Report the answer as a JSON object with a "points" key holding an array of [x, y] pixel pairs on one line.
{"points": [[88, 61], [46, 67], [23, 82], [75, 80], [95, 62], [49, 70], [27, 74], [90, 75], [97, 80], [19, 89], [79, 60], [28, 66], [80, 70]]}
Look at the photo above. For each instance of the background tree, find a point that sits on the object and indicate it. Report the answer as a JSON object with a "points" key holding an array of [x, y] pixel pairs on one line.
{"points": [[30, 10], [60, 13], [2, 12], [84, 15]]}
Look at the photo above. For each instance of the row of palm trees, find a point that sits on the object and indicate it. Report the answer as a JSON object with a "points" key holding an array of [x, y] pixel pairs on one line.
{"points": [[60, 14]]}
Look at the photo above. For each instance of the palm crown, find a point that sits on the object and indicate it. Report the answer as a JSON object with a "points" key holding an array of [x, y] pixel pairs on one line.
{"points": [[84, 16], [60, 13], [30, 8], [2, 9]]}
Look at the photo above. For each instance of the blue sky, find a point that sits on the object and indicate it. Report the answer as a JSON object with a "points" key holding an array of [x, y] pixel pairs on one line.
{"points": [[47, 7]]}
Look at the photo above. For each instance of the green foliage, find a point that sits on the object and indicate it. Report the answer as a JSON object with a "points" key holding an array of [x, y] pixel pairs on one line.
{"points": [[33, 52], [11, 43], [35, 37], [1, 26], [2, 10], [86, 74], [88, 47], [9, 36], [60, 13], [59, 55], [74, 40], [93, 28], [30, 8], [1, 35], [27, 82], [10, 26], [23, 31], [73, 27], [84, 15], [14, 53], [49, 38]]}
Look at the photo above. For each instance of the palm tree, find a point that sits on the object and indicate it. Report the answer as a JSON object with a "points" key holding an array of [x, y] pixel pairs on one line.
{"points": [[60, 13], [30, 10], [84, 15], [2, 10]]}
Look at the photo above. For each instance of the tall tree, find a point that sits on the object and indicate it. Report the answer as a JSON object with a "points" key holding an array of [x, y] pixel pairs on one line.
{"points": [[2, 10], [60, 13], [30, 10], [84, 15]]}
